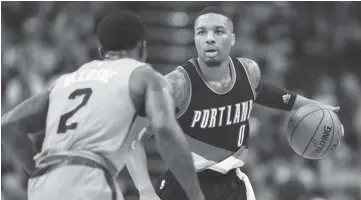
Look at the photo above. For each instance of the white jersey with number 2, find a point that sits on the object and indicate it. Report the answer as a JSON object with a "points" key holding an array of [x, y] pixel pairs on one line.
{"points": [[90, 110]]}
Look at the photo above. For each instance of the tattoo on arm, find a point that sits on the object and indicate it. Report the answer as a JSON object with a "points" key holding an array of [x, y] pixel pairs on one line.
{"points": [[180, 88]]}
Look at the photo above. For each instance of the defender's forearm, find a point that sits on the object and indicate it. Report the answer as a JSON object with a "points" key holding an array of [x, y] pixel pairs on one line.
{"points": [[137, 166], [28, 117], [19, 146]]}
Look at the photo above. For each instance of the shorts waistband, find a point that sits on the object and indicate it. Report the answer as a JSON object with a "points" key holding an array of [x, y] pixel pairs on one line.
{"points": [[55, 162], [211, 174], [61, 160]]}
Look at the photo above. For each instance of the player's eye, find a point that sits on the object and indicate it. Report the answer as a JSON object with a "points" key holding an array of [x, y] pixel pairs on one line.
{"points": [[201, 32], [218, 31]]}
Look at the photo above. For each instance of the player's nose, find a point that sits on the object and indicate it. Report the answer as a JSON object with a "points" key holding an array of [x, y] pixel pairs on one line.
{"points": [[210, 39]]}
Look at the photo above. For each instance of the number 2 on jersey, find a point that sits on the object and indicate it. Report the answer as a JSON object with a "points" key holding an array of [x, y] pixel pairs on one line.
{"points": [[86, 93], [241, 135]]}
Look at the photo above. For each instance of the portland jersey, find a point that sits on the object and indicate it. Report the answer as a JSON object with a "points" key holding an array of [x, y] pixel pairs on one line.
{"points": [[90, 110], [217, 123]]}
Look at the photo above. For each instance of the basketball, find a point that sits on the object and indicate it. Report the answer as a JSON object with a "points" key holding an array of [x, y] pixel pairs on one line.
{"points": [[313, 131]]}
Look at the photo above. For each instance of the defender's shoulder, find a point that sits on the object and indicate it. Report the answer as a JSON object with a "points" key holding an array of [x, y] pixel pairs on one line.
{"points": [[146, 75], [253, 71]]}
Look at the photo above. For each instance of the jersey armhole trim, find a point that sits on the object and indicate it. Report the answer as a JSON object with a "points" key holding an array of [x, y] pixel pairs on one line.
{"points": [[189, 96], [249, 80]]}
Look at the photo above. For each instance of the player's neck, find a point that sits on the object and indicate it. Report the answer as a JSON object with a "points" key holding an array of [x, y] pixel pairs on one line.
{"points": [[115, 55], [216, 73]]}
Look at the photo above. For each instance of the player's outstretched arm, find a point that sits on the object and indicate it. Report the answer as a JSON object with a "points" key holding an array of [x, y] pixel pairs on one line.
{"points": [[273, 96], [170, 140], [302, 101], [28, 117]]}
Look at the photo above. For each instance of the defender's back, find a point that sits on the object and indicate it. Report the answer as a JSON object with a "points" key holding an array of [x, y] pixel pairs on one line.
{"points": [[91, 109]]}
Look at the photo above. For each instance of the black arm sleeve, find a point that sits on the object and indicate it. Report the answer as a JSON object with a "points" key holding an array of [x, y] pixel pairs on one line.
{"points": [[272, 96]]}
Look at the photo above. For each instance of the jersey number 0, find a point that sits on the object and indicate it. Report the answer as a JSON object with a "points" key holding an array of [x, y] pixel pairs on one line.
{"points": [[86, 93], [241, 135]]}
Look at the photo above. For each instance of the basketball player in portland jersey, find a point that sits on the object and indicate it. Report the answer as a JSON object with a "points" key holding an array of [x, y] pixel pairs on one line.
{"points": [[214, 95], [89, 116]]}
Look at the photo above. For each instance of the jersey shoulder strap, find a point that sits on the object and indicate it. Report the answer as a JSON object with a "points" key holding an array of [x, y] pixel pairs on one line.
{"points": [[252, 71]]}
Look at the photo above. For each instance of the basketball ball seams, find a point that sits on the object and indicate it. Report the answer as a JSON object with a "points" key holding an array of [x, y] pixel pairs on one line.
{"points": [[323, 115], [320, 107], [293, 131], [333, 133]]}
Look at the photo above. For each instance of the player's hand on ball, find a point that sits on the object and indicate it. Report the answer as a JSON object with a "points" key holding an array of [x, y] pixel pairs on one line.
{"points": [[342, 131], [335, 109], [331, 108]]}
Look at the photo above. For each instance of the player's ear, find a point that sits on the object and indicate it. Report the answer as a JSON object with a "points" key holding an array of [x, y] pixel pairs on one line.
{"points": [[233, 39], [101, 52]]}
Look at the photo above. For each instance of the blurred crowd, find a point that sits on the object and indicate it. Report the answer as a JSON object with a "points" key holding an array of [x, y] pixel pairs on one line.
{"points": [[312, 48]]}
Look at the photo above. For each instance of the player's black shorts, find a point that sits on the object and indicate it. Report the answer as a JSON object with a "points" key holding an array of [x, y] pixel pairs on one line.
{"points": [[215, 186]]}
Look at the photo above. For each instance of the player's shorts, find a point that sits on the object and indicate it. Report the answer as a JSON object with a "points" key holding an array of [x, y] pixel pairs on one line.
{"points": [[215, 186], [72, 178]]}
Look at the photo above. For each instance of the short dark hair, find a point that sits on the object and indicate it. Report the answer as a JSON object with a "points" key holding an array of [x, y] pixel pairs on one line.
{"points": [[120, 31], [214, 9]]}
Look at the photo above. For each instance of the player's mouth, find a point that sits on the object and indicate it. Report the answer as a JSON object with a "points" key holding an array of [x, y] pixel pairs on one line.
{"points": [[211, 52]]}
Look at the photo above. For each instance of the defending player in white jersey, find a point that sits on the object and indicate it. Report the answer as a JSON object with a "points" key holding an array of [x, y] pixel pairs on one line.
{"points": [[89, 116]]}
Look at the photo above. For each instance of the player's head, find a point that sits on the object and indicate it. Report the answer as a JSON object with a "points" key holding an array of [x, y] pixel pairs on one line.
{"points": [[213, 36], [122, 34]]}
